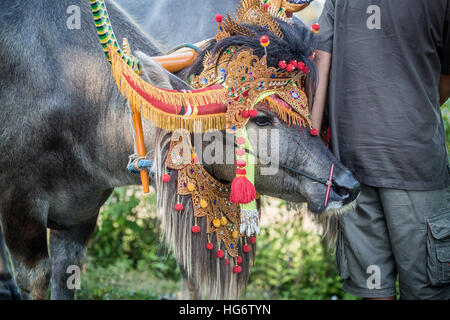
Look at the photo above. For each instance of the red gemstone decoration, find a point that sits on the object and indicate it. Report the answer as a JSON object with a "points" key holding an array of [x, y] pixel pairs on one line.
{"points": [[195, 229], [252, 240], [264, 39], [246, 248], [179, 207], [220, 254], [253, 113], [165, 177], [237, 269]]}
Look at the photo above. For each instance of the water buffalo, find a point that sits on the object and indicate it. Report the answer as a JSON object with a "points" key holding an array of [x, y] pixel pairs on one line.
{"points": [[65, 139]]}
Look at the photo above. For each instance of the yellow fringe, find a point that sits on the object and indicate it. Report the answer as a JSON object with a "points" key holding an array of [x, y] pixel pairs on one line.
{"points": [[288, 116], [161, 119]]}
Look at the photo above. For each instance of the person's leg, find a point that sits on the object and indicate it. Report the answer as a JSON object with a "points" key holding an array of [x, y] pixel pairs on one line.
{"points": [[363, 253], [419, 228]]}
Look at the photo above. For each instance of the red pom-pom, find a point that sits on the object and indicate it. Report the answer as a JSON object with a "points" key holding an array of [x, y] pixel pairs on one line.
{"points": [[227, 261], [282, 65], [246, 248], [179, 207], [219, 18], [301, 66], [264, 39], [195, 229], [245, 114], [290, 68], [240, 163], [165, 177], [237, 269], [242, 191], [238, 259], [209, 246], [315, 27], [253, 113], [294, 63], [241, 171], [314, 132], [252, 240], [220, 254]]}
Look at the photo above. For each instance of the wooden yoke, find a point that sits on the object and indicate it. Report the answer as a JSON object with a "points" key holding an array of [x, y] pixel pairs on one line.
{"points": [[137, 124]]}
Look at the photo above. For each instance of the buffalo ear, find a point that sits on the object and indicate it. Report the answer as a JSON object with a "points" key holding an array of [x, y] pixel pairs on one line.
{"points": [[156, 75]]}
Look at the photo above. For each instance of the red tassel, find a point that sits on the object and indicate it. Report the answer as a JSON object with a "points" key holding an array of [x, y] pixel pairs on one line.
{"points": [[242, 191]]}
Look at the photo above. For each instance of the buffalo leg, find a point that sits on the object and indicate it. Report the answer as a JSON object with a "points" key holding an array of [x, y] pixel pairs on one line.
{"points": [[67, 251]]}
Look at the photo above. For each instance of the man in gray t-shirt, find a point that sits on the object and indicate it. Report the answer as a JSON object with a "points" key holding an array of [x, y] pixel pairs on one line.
{"points": [[389, 66]]}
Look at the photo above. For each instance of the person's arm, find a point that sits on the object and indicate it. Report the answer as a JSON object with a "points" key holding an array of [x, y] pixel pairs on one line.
{"points": [[322, 59], [444, 88], [323, 63]]}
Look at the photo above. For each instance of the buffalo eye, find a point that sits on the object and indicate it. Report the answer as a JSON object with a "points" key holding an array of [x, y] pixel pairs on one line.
{"points": [[262, 121]]}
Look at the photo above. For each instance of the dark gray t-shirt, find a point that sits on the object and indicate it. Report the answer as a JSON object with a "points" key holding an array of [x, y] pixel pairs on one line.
{"points": [[385, 119]]}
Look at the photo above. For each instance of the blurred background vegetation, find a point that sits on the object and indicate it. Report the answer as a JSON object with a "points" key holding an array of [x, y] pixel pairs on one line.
{"points": [[126, 260]]}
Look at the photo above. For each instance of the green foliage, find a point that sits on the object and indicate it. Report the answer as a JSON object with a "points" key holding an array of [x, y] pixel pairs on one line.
{"points": [[129, 231]]}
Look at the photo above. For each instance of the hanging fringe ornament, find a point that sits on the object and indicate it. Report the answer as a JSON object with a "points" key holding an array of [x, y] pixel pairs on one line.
{"points": [[249, 221], [178, 206], [209, 245], [195, 228], [242, 189]]}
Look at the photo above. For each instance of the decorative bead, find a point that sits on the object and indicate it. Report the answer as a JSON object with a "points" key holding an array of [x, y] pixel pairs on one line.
{"points": [[301, 66], [314, 132], [237, 269], [223, 221], [252, 240], [195, 229], [216, 223], [190, 187], [179, 207], [246, 248], [240, 140], [220, 254], [282, 65], [264, 40], [165, 178], [238, 259], [218, 18], [315, 28], [235, 234], [209, 246], [240, 163], [253, 113], [203, 203]]}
